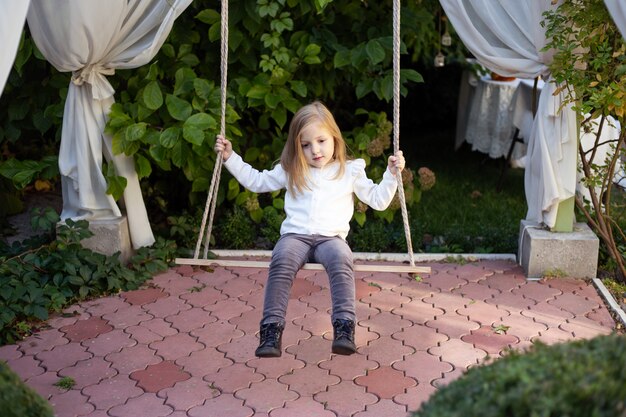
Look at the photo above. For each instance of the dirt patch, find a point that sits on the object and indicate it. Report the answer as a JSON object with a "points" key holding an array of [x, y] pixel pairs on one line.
{"points": [[20, 223]]}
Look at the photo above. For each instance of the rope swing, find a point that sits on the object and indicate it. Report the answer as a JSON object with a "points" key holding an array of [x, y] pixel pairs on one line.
{"points": [[209, 210]]}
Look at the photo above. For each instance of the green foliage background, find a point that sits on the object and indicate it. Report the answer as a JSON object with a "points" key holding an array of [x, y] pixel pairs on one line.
{"points": [[282, 54]]}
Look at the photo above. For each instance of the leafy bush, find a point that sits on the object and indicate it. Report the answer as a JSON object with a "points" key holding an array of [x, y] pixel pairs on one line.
{"points": [[48, 272], [235, 230], [576, 379], [19, 400]]}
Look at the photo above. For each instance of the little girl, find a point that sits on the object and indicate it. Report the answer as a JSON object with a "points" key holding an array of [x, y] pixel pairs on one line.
{"points": [[320, 183]]}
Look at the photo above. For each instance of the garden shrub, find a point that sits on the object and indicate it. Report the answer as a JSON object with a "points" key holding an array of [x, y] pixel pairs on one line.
{"points": [[583, 378], [235, 230], [19, 400]]}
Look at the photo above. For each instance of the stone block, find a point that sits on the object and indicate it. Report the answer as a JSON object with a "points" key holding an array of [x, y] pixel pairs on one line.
{"points": [[573, 253], [110, 236]]}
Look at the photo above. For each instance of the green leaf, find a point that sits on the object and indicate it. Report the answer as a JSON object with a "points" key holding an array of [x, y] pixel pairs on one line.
{"points": [[375, 51], [341, 59], [152, 96], [193, 135], [359, 218], [258, 91], [200, 184], [252, 154], [178, 108], [256, 215], [299, 87], [135, 131], [278, 203], [208, 16], [142, 165], [201, 121], [116, 186], [169, 137]]}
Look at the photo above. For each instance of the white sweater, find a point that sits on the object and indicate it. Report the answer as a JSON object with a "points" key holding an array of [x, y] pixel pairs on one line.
{"points": [[325, 209]]}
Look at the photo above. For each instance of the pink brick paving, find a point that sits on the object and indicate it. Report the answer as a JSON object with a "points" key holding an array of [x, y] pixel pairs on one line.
{"points": [[183, 346]]}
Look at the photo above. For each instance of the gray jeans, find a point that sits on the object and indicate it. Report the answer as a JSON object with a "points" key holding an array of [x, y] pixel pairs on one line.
{"points": [[291, 252]]}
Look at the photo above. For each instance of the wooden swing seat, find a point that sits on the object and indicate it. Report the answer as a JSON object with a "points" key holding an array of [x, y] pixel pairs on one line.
{"points": [[240, 263]]}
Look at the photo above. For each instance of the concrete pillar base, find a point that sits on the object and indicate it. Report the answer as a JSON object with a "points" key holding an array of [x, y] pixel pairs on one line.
{"points": [[542, 252], [110, 236]]}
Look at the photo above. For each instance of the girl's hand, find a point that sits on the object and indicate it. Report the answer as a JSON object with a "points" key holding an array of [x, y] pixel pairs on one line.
{"points": [[224, 146], [395, 163]]}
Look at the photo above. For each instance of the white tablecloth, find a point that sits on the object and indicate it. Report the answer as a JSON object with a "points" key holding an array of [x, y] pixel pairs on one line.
{"points": [[490, 117]]}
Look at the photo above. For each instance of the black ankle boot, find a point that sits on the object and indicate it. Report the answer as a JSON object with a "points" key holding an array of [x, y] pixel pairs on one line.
{"points": [[270, 340], [344, 337]]}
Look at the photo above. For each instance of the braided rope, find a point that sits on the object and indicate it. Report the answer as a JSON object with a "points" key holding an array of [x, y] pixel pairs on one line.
{"points": [[396, 123], [217, 169]]}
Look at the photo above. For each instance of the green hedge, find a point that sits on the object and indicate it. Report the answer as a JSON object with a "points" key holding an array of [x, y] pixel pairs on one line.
{"points": [[585, 378], [19, 400]]}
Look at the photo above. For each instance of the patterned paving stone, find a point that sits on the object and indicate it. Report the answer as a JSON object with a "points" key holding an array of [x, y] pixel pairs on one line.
{"points": [[41, 341], [483, 313], [418, 312], [26, 367], [227, 309], [301, 287], [601, 315], [537, 291], [472, 272], [127, 317], [105, 305], [453, 325], [522, 327], [164, 307], [346, 398], [386, 324], [295, 309], [503, 283], [320, 300], [238, 287], [44, 384], [458, 353], [582, 327], [487, 339], [476, 291], [147, 404], [415, 290], [365, 289], [188, 394], [423, 367], [112, 391], [312, 350], [222, 406], [386, 350], [420, 337], [240, 349], [88, 372], [575, 304], [63, 356], [385, 382], [176, 346], [388, 280], [86, 329], [386, 300], [446, 281], [348, 367], [511, 302], [233, 378], [109, 342], [179, 286], [553, 335], [316, 323], [548, 314], [133, 358], [415, 396], [203, 362], [204, 297], [303, 406], [191, 319], [449, 303], [383, 408], [565, 284], [248, 322], [143, 296], [70, 403], [215, 334], [160, 376], [308, 380], [293, 334], [10, 352], [276, 367], [266, 395]]}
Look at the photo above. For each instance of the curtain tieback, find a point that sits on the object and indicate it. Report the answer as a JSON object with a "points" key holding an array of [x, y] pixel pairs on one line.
{"points": [[95, 75]]}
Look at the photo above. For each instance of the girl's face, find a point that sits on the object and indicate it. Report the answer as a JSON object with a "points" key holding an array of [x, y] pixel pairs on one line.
{"points": [[318, 144]]}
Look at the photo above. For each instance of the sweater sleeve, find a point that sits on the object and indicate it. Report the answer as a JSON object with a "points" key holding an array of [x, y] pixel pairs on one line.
{"points": [[253, 179], [377, 196]]}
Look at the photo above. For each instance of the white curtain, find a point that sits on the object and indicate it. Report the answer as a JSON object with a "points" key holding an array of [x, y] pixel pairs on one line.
{"points": [[617, 9], [506, 37], [93, 38], [12, 17]]}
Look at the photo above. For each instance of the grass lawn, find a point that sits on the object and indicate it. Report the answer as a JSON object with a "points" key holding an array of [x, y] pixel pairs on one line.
{"points": [[465, 212]]}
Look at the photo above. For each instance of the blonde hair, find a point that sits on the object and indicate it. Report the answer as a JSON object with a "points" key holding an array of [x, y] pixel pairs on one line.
{"points": [[292, 158]]}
